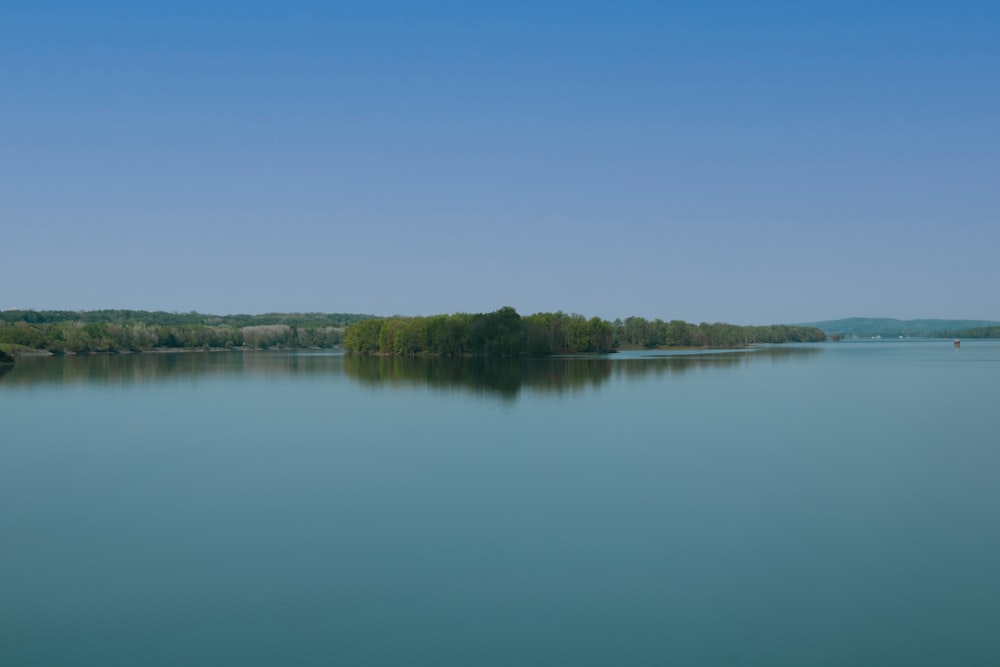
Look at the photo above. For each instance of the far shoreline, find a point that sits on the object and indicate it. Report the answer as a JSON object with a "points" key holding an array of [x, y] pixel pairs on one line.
{"points": [[30, 352]]}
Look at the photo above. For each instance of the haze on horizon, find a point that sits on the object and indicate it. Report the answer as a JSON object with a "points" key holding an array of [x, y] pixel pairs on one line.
{"points": [[774, 163]]}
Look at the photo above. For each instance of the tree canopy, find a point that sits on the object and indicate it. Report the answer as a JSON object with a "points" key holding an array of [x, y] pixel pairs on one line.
{"points": [[505, 333], [139, 330]]}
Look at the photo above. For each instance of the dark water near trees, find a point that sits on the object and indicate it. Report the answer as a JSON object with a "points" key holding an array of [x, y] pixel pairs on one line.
{"points": [[820, 505]]}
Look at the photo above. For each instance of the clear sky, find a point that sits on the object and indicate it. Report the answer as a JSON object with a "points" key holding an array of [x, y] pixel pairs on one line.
{"points": [[747, 162]]}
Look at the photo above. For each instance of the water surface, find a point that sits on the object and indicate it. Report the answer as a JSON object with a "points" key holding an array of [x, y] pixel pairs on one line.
{"points": [[822, 505]]}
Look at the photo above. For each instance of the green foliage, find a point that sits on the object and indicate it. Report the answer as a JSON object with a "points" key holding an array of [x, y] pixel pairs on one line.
{"points": [[135, 331], [363, 336], [637, 332], [161, 318], [500, 333], [546, 333], [975, 332], [505, 333]]}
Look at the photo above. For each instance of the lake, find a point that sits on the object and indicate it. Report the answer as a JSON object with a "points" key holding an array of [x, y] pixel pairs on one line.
{"points": [[832, 504]]}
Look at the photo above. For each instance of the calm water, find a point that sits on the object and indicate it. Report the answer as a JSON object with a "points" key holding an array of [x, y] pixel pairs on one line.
{"points": [[828, 505]]}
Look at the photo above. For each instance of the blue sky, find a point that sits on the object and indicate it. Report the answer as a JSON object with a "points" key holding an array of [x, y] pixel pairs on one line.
{"points": [[744, 162]]}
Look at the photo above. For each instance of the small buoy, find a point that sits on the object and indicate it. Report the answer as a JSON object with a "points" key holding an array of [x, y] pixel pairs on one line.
{"points": [[958, 343]]}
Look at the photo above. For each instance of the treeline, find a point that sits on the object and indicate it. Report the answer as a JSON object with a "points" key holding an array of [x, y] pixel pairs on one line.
{"points": [[136, 331], [192, 318], [637, 332], [975, 332], [506, 333], [502, 332]]}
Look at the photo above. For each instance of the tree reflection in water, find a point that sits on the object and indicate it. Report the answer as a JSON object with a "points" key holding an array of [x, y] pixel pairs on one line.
{"points": [[503, 378]]}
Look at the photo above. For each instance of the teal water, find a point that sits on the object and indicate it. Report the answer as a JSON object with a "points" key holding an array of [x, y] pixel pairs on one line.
{"points": [[819, 505]]}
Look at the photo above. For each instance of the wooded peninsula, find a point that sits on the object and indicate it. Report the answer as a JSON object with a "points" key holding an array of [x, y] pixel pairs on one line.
{"points": [[503, 332]]}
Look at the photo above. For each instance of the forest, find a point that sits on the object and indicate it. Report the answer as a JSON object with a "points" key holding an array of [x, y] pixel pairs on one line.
{"points": [[72, 332], [974, 332], [505, 332]]}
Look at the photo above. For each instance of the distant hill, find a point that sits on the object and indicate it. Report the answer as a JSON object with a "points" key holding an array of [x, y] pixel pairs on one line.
{"points": [[867, 327]]}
